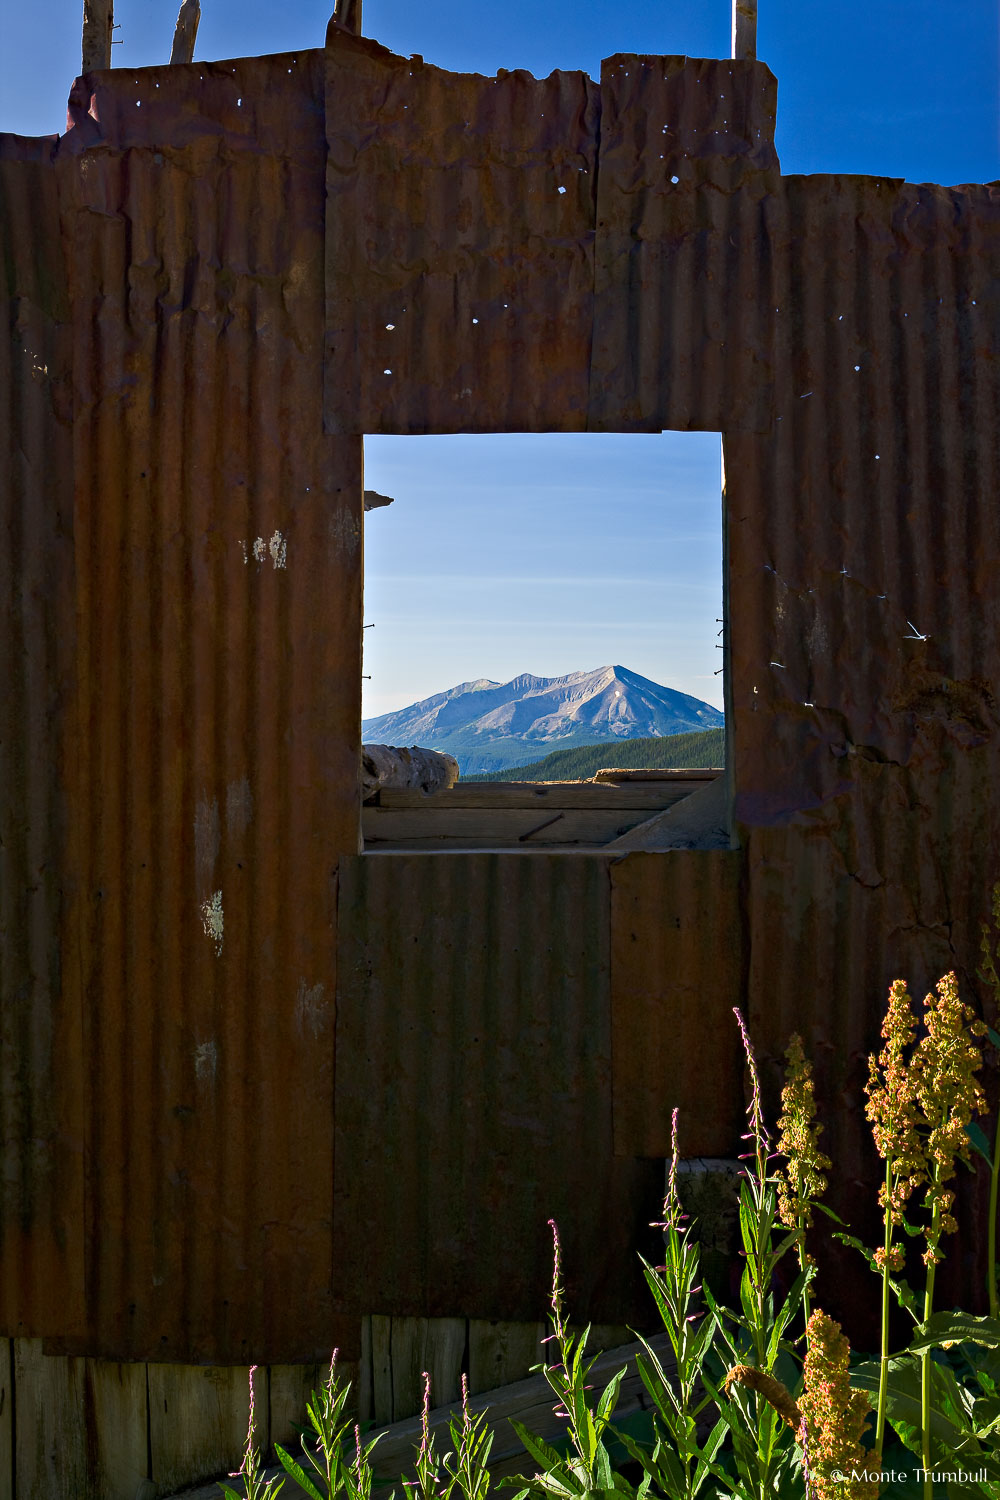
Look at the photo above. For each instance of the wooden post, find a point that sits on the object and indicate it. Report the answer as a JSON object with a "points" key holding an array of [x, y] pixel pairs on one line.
{"points": [[745, 28], [185, 31], [98, 24], [348, 14]]}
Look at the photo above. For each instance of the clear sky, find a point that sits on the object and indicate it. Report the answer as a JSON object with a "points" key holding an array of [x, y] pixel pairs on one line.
{"points": [[544, 553]]}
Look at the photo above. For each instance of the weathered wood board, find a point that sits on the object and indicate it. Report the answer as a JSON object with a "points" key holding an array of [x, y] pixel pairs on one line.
{"points": [[198, 1420], [6, 1420]]}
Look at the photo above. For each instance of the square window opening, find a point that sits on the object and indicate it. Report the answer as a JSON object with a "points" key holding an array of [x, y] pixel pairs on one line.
{"points": [[549, 611]]}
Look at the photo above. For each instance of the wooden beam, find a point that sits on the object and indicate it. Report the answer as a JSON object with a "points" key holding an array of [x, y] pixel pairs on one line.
{"points": [[186, 31], [347, 13], [745, 28], [98, 24]]}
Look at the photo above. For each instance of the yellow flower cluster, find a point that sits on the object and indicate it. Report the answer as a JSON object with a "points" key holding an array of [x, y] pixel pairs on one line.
{"points": [[834, 1416], [798, 1141], [919, 1105]]}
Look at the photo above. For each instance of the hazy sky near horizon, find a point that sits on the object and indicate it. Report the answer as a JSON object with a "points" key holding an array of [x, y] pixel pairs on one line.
{"points": [[551, 553]]}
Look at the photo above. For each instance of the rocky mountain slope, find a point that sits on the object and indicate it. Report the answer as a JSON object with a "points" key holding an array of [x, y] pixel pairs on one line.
{"points": [[490, 725]]}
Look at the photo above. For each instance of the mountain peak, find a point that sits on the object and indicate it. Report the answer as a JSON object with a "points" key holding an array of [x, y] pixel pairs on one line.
{"points": [[488, 725]]}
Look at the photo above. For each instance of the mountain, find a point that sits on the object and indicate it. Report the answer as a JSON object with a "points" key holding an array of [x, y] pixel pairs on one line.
{"points": [[488, 725]]}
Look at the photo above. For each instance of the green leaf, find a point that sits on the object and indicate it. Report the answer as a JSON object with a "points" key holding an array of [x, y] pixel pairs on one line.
{"points": [[298, 1473], [944, 1328], [993, 1036], [539, 1449], [979, 1142], [609, 1400]]}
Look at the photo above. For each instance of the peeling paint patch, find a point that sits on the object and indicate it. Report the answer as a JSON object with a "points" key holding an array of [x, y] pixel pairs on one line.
{"points": [[312, 1011], [206, 839], [211, 920], [206, 1058], [344, 531], [239, 807], [276, 548]]}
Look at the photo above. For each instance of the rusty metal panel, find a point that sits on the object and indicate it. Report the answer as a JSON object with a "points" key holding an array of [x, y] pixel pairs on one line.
{"points": [[474, 1091], [678, 959], [217, 666], [460, 223], [41, 1137], [864, 551], [683, 325]]}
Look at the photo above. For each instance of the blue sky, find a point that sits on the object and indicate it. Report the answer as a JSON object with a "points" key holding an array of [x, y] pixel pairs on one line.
{"points": [[551, 553]]}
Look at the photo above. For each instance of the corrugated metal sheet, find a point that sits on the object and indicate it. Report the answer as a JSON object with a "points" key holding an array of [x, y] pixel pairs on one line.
{"points": [[460, 222], [41, 1183], [218, 659], [864, 571], [189, 666], [683, 332], [474, 1091], [678, 958]]}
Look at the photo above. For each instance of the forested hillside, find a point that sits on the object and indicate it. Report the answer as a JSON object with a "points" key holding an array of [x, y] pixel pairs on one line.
{"points": [[673, 751]]}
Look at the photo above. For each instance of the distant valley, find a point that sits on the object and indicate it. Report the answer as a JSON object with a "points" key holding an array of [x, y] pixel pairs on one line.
{"points": [[489, 726]]}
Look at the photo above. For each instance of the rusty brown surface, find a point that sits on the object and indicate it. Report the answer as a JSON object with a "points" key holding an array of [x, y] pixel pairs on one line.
{"points": [[41, 1120], [683, 330], [182, 691], [215, 782], [678, 957], [474, 1090], [460, 220]]}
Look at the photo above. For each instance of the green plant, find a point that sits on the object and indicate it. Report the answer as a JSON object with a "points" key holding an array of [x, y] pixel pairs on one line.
{"points": [[327, 1455], [678, 1463], [990, 948], [254, 1485], [588, 1470], [467, 1464]]}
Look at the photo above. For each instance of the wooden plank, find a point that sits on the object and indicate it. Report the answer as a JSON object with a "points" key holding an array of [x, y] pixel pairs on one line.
{"points": [[381, 1332], [186, 31], [467, 829], [198, 1421], [530, 1401], [6, 1419], [50, 1457], [289, 1389], [648, 795], [98, 24], [623, 777], [436, 1345], [501, 1353], [365, 1395], [115, 1408]]}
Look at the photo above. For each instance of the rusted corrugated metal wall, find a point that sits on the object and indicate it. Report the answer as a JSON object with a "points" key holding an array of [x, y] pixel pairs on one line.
{"points": [[193, 660], [474, 1090], [460, 240], [41, 1120]]}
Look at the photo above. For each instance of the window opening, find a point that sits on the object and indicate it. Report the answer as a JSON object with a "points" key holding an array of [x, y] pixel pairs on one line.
{"points": [[548, 610]]}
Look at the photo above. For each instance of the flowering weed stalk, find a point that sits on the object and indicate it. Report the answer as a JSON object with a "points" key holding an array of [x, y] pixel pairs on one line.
{"points": [[753, 1399], [254, 1485], [590, 1469], [833, 1417], [327, 1457], [678, 1464], [920, 1107], [803, 1180], [990, 948], [467, 1465]]}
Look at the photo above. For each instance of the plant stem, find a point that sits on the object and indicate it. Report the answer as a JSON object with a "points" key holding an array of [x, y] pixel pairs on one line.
{"points": [[883, 1373], [933, 1237], [991, 1231]]}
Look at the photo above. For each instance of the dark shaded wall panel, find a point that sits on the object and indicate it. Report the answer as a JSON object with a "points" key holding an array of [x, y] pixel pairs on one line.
{"points": [[460, 221], [683, 330], [41, 1105], [474, 1091], [218, 591], [678, 958]]}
